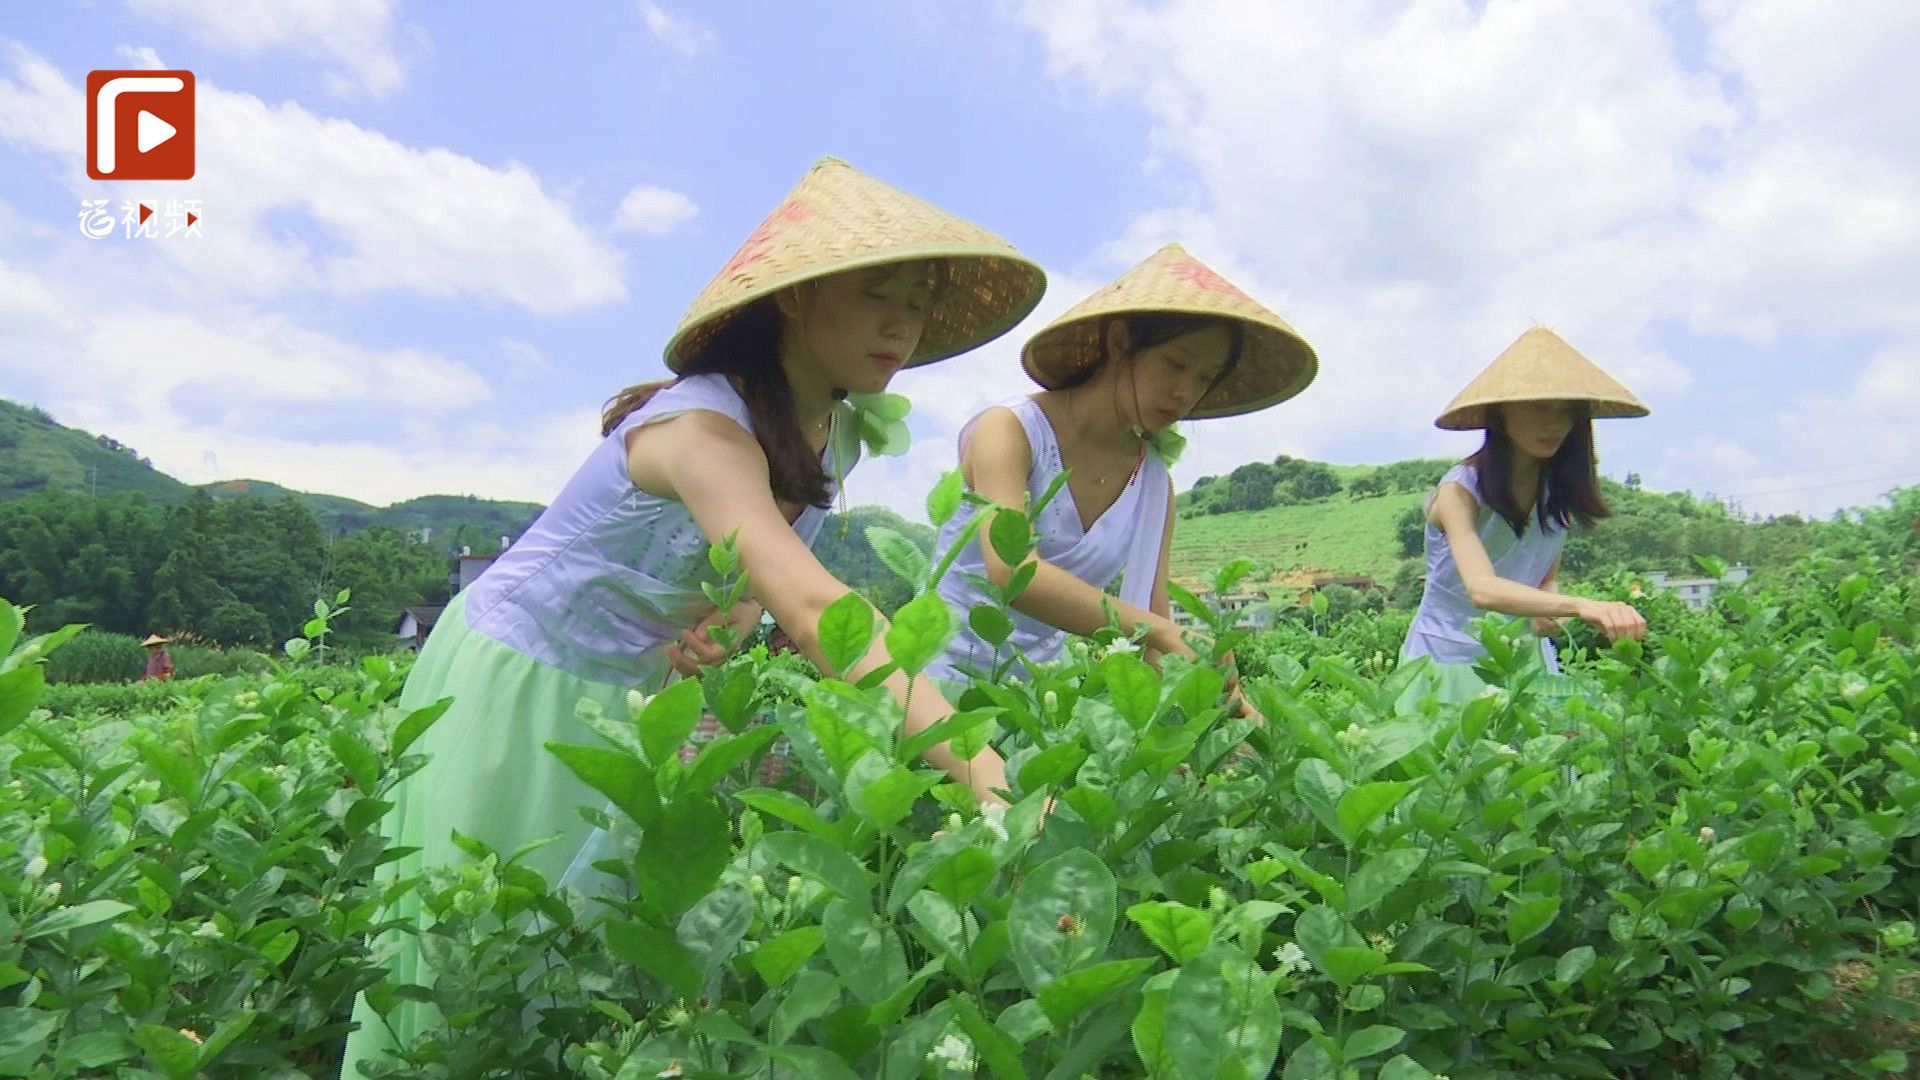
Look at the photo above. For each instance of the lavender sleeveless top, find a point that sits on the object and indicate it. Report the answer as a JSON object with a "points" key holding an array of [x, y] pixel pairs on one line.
{"points": [[1439, 628], [1126, 538], [609, 573]]}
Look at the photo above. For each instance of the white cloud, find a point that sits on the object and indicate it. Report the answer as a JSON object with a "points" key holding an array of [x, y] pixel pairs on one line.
{"points": [[653, 211], [677, 32], [258, 396], [359, 39], [1414, 183], [524, 359], [293, 201]]}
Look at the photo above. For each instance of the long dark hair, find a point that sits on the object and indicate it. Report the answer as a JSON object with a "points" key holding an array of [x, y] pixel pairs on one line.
{"points": [[745, 348], [1569, 481], [1150, 328]]}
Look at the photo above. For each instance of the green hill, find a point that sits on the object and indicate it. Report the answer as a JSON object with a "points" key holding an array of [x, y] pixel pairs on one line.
{"points": [[1291, 544], [38, 454]]}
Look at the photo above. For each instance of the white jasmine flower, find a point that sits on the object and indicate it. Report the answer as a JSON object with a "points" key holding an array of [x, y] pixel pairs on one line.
{"points": [[994, 816], [954, 1052], [1291, 958]]}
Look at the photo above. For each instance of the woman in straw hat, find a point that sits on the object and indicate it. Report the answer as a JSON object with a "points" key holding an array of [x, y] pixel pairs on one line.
{"points": [[1169, 340], [844, 284], [1496, 525], [159, 662]]}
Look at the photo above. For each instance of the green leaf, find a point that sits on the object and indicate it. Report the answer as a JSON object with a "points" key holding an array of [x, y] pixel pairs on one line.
{"points": [[1890, 1061], [781, 955], [889, 797], [173, 768], [1320, 931], [94, 1050], [624, 779], [964, 876], [225, 1035], [12, 622], [1574, 963], [1320, 788], [968, 533], [920, 631], [669, 719], [1363, 805], [846, 632], [1529, 917], [656, 952], [991, 624], [1066, 997], [63, 919], [24, 1031], [901, 555], [1051, 766], [415, 725], [822, 860], [730, 691], [19, 692], [1132, 688], [725, 754], [1011, 535], [1222, 1019], [866, 952], [1062, 916], [170, 1050], [960, 727], [1180, 931], [999, 1053], [1369, 1041], [1348, 964], [1402, 1067], [789, 808], [682, 857], [356, 757], [944, 500], [1379, 876], [714, 926]]}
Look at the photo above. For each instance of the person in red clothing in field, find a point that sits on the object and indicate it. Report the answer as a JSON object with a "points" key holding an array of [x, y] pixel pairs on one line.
{"points": [[159, 663]]}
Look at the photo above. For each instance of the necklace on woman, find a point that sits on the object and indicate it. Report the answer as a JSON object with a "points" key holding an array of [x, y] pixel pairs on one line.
{"points": [[1101, 479]]}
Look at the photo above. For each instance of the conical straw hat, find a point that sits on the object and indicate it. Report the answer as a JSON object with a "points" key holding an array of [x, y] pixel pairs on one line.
{"points": [[155, 639], [1275, 361], [1540, 366], [839, 218]]}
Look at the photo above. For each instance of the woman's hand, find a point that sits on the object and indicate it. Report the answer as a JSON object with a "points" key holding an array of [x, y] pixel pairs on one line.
{"points": [[1613, 618], [696, 648], [1544, 626]]}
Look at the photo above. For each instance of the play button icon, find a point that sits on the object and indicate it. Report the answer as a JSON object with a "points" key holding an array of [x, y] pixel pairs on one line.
{"points": [[154, 131], [140, 125]]}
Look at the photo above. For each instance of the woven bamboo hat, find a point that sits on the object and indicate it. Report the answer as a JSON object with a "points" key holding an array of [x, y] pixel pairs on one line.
{"points": [[1540, 366], [155, 639], [1275, 361], [839, 218]]}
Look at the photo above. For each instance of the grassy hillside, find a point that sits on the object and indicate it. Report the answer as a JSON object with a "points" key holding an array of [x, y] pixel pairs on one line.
{"points": [[1291, 544], [334, 512], [38, 454]]}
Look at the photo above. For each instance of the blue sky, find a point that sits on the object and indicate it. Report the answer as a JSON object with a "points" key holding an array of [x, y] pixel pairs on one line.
{"points": [[417, 275]]}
